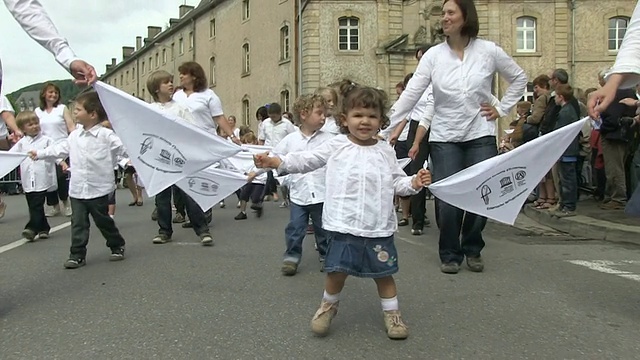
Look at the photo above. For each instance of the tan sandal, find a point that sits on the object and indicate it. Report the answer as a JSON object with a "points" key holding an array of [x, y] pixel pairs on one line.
{"points": [[550, 203], [539, 202]]}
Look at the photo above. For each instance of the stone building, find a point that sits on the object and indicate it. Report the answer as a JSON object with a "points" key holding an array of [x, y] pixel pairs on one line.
{"points": [[255, 51]]}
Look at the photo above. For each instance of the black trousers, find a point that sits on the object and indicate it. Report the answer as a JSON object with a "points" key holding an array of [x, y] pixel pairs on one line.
{"points": [[37, 220], [98, 208], [419, 200], [253, 192], [178, 200], [197, 217], [54, 197]]}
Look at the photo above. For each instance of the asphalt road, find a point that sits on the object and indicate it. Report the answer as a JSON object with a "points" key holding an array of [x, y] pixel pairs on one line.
{"points": [[541, 297]]}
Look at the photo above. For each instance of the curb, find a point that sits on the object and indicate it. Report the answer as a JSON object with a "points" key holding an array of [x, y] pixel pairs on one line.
{"points": [[587, 227]]}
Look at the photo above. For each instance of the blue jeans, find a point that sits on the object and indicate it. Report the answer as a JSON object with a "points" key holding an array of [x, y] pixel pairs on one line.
{"points": [[568, 185], [460, 231], [297, 230]]}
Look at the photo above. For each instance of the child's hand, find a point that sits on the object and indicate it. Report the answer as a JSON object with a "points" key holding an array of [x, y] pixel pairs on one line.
{"points": [[251, 176], [264, 161], [33, 154], [64, 166], [422, 179]]}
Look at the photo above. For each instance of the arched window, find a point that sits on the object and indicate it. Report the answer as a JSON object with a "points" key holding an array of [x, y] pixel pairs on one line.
{"points": [[617, 28], [284, 42], [212, 70], [246, 59], [246, 110], [349, 33], [285, 100], [526, 34]]}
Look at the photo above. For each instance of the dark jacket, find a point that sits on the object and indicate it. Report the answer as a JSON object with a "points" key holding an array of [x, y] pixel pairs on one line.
{"points": [[566, 116], [613, 125], [548, 123]]}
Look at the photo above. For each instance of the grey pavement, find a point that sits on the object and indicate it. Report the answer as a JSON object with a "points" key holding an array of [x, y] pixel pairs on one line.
{"points": [[544, 295]]}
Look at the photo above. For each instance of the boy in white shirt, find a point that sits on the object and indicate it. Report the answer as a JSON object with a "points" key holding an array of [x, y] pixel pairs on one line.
{"points": [[93, 150], [160, 86], [38, 177]]}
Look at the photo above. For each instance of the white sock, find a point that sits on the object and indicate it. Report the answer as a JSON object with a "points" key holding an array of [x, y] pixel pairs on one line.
{"points": [[389, 304], [331, 299]]}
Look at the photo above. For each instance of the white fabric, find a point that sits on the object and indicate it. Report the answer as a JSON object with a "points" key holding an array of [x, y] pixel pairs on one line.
{"points": [[243, 163], [498, 187], [92, 153], [5, 105], [424, 106], [173, 107], [38, 175], [360, 185], [10, 161], [308, 188], [36, 23], [210, 186], [404, 162], [330, 126], [52, 123], [628, 58], [273, 133], [164, 148], [459, 87], [204, 106]]}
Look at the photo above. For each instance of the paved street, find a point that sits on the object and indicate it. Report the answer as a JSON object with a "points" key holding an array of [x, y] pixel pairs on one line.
{"points": [[541, 297]]}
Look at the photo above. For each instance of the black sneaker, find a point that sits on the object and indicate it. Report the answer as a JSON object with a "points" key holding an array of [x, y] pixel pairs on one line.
{"points": [[416, 232], [74, 263], [450, 268], [241, 216], [117, 254], [43, 235], [187, 225], [161, 239], [475, 264], [28, 234], [206, 239]]}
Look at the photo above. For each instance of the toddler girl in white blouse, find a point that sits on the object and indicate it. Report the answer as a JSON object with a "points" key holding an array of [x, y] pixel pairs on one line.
{"points": [[362, 177]]}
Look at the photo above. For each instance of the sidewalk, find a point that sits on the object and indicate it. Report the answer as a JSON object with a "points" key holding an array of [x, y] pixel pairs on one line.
{"points": [[591, 222]]}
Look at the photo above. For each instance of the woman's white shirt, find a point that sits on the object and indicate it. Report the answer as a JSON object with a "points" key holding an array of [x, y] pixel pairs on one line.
{"points": [[203, 105], [53, 123], [628, 58], [459, 89], [360, 184]]}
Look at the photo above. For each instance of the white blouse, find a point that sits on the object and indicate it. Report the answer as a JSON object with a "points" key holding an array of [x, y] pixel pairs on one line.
{"points": [[330, 126], [628, 59], [459, 87], [204, 106], [360, 185], [52, 123], [38, 175]]}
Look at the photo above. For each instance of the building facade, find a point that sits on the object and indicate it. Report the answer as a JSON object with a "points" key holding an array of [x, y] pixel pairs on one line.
{"points": [[256, 51]]}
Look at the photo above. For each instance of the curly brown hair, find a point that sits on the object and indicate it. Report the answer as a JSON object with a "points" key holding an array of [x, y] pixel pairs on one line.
{"points": [[197, 72], [356, 96], [307, 103]]}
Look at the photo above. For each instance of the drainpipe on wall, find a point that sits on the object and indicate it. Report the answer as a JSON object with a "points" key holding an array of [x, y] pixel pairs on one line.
{"points": [[301, 5], [573, 40], [193, 30]]}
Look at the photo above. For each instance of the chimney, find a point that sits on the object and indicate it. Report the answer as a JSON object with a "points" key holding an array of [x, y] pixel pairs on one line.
{"points": [[113, 62], [127, 51], [138, 42], [184, 9], [152, 31], [108, 67], [173, 21]]}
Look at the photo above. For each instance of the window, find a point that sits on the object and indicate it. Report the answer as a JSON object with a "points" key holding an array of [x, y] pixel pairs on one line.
{"points": [[133, 73], [157, 59], [212, 28], [617, 29], [246, 111], [143, 95], [526, 34], [181, 46], [115, 82], [528, 93], [121, 79], [173, 50], [164, 56], [143, 67], [150, 63], [212, 70], [127, 76], [191, 40], [246, 59], [245, 10], [284, 43], [284, 100], [348, 34]]}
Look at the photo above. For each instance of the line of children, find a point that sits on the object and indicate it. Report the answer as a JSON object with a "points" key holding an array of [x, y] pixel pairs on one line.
{"points": [[92, 149], [358, 214], [160, 86], [38, 177]]}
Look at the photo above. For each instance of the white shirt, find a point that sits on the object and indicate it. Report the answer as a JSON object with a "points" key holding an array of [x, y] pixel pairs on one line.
{"points": [[424, 106], [34, 20], [330, 126], [92, 155], [360, 185], [459, 87], [52, 123], [309, 188], [38, 175], [173, 107], [273, 133], [204, 106], [5, 105]]}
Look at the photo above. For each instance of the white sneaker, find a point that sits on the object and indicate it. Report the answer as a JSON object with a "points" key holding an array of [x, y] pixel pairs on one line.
{"points": [[52, 211], [67, 210]]}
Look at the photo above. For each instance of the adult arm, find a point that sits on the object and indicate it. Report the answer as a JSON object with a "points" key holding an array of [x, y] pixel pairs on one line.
{"points": [[68, 120], [515, 76]]}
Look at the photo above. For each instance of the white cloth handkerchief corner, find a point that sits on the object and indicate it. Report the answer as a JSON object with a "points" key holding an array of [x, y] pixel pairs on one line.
{"points": [[10, 161], [498, 187], [210, 186], [163, 148]]}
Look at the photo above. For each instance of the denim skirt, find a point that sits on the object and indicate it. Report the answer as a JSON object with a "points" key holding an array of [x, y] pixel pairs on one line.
{"points": [[360, 256]]}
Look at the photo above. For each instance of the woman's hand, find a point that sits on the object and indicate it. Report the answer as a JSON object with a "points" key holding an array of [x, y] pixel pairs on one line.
{"points": [[489, 111], [413, 152]]}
